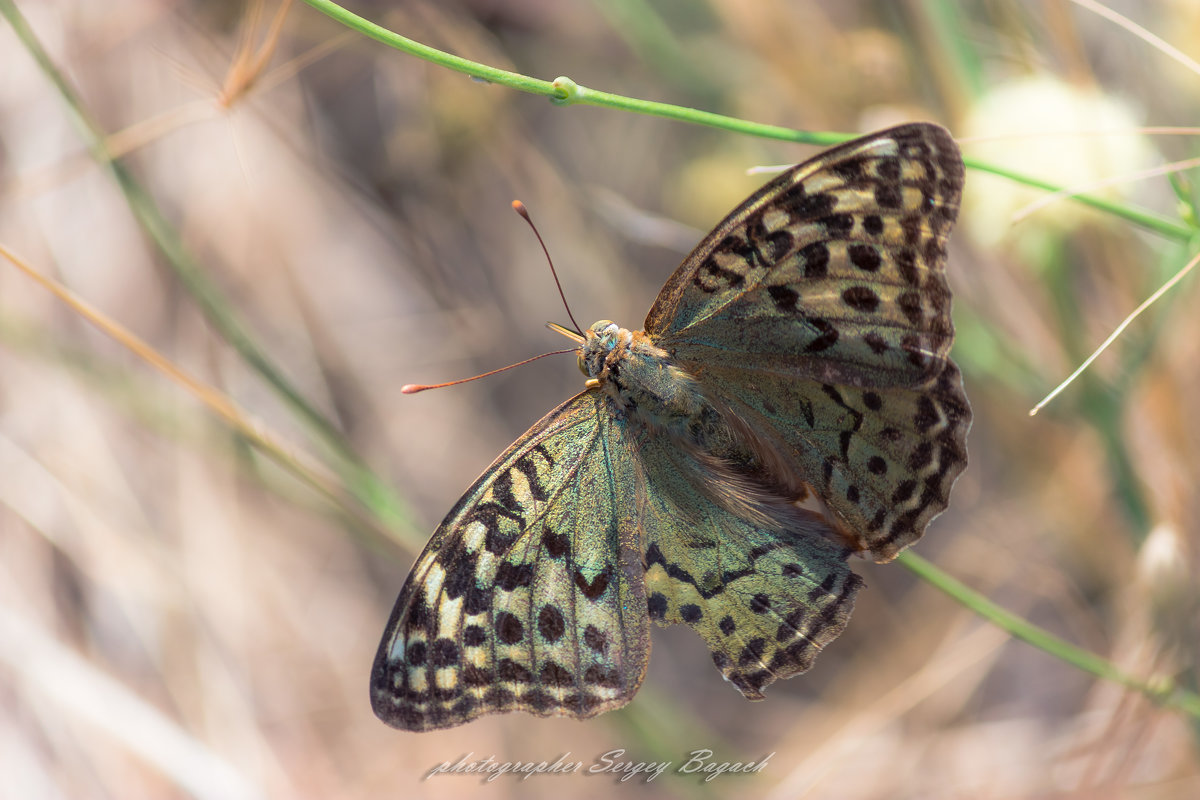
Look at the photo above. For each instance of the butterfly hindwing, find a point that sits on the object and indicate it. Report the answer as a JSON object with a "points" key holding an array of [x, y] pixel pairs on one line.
{"points": [[764, 598], [530, 594], [883, 461], [818, 312]]}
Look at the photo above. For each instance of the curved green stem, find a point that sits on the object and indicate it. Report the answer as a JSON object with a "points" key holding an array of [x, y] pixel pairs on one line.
{"points": [[564, 91], [1163, 691], [1147, 219]]}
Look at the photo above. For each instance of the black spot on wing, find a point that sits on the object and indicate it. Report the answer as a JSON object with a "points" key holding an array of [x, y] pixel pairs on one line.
{"points": [[784, 297], [510, 576], [460, 577], [502, 491], [443, 653], [861, 298], [557, 545], [529, 470], [656, 605], [815, 256], [594, 588], [827, 335], [512, 672], [799, 203], [490, 515], [865, 257], [595, 639], [551, 624], [888, 195], [554, 674], [508, 628], [837, 225]]}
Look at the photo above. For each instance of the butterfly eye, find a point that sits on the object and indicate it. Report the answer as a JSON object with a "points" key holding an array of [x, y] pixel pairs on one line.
{"points": [[582, 365], [603, 326]]}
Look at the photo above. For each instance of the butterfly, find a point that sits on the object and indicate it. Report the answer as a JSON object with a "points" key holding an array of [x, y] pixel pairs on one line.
{"points": [[791, 401]]}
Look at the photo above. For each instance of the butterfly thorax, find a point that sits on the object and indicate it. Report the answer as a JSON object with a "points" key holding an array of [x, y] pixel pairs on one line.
{"points": [[650, 394], [647, 389], [641, 381]]}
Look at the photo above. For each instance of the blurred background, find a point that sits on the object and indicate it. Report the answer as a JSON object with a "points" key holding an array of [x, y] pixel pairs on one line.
{"points": [[180, 616]]}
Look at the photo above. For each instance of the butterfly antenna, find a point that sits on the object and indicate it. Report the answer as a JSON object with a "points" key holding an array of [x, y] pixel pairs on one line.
{"points": [[413, 388], [519, 207]]}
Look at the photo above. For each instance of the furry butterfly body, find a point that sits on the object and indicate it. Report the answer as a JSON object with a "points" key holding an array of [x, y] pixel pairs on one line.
{"points": [[801, 352]]}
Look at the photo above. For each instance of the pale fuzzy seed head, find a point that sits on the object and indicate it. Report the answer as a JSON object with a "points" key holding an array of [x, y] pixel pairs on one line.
{"points": [[1044, 126]]}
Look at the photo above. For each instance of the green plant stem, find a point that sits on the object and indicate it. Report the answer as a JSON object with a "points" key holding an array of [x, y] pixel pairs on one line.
{"points": [[564, 91], [365, 486], [1149, 220], [1163, 691]]}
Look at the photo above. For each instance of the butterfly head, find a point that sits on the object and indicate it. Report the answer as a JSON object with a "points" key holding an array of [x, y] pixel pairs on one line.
{"points": [[629, 367], [603, 346]]}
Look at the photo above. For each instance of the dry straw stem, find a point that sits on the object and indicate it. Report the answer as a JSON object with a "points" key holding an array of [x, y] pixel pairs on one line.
{"points": [[309, 472], [1125, 323], [367, 488]]}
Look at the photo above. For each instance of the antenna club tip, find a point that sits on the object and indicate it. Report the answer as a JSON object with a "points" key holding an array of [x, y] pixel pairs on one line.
{"points": [[519, 207], [411, 388]]}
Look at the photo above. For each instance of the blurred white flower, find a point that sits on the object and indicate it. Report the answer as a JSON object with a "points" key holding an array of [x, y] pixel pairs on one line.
{"points": [[1075, 137]]}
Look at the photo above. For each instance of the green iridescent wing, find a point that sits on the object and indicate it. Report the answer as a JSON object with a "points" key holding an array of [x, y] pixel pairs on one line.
{"points": [[535, 592], [530, 595], [764, 598], [818, 312]]}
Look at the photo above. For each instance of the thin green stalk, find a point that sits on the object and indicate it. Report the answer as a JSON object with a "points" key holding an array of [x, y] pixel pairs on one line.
{"points": [[953, 41], [1104, 410], [1163, 691], [366, 487], [1169, 228], [564, 91]]}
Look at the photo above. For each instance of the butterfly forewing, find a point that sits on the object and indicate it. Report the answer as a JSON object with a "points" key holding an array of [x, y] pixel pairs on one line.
{"points": [[835, 268], [819, 312], [530, 594]]}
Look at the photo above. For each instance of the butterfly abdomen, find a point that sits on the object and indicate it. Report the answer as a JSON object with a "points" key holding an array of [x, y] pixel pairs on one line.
{"points": [[717, 452]]}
